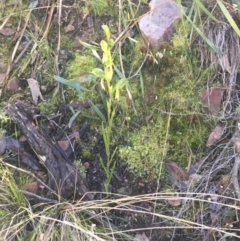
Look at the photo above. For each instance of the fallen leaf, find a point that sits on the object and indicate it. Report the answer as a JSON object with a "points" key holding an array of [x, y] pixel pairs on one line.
{"points": [[7, 31], [35, 90], [31, 187], [176, 171], [215, 135], [176, 175], [141, 237], [64, 144], [212, 98], [174, 202]]}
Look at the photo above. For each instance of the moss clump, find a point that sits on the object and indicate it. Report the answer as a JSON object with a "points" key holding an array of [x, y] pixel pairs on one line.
{"points": [[103, 7], [174, 138], [99, 7], [81, 63], [174, 127], [86, 154], [77, 68], [49, 107], [187, 135], [135, 53], [147, 149]]}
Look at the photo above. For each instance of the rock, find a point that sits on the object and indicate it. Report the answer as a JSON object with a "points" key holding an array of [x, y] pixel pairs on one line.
{"points": [[157, 26], [13, 84]]}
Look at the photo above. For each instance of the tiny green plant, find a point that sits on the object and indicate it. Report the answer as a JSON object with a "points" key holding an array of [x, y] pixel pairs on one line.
{"points": [[112, 94], [106, 76], [77, 85]]}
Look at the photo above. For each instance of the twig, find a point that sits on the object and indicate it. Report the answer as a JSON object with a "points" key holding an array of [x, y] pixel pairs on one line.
{"points": [[23, 51], [235, 176], [30, 194]]}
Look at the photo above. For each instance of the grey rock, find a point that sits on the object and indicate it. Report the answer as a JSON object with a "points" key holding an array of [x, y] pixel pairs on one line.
{"points": [[157, 26]]}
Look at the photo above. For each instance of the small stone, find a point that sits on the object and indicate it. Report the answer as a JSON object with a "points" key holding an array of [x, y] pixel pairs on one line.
{"points": [[43, 88], [86, 165], [13, 84], [157, 26], [89, 22]]}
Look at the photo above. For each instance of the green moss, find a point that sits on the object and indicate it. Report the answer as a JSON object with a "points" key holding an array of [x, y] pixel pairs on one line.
{"points": [[49, 107], [86, 154], [173, 127], [187, 136], [173, 138], [81, 63], [135, 53], [99, 7], [146, 149]]}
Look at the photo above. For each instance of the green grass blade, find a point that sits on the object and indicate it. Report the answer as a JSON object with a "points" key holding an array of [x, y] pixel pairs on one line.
{"points": [[74, 83], [209, 43], [118, 71], [73, 118], [209, 14], [96, 109], [141, 82], [229, 17]]}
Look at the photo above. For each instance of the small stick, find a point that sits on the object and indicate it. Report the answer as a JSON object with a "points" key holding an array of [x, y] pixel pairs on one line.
{"points": [[38, 197]]}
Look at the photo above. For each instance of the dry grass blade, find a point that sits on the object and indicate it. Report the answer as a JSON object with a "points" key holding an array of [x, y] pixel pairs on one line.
{"points": [[227, 41]]}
